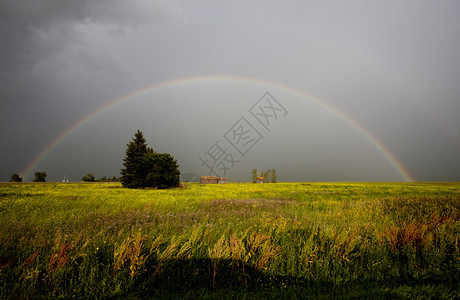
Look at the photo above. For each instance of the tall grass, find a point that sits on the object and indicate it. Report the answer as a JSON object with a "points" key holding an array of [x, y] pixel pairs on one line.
{"points": [[100, 240]]}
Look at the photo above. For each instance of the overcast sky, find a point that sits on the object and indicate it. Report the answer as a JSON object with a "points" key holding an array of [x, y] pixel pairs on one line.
{"points": [[355, 87]]}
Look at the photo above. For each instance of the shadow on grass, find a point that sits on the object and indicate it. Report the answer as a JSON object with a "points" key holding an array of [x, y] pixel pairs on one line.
{"points": [[213, 279], [229, 279]]}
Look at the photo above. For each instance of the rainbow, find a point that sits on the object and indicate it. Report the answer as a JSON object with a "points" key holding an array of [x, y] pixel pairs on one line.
{"points": [[398, 166]]}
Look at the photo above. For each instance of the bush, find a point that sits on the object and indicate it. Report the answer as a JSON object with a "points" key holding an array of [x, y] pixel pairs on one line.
{"points": [[15, 178], [163, 171], [40, 177], [88, 178]]}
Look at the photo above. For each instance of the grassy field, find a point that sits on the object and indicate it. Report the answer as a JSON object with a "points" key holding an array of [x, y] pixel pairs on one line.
{"points": [[238, 240]]}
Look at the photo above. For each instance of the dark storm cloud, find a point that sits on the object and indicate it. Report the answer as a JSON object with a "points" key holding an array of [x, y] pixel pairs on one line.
{"points": [[32, 31]]}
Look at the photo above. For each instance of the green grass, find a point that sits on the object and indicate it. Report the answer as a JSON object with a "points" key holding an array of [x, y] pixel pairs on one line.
{"points": [[238, 240]]}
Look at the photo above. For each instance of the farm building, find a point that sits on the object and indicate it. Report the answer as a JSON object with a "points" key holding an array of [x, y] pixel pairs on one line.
{"points": [[212, 179], [261, 180]]}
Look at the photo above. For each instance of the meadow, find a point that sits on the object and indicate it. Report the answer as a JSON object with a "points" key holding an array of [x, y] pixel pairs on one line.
{"points": [[236, 240]]}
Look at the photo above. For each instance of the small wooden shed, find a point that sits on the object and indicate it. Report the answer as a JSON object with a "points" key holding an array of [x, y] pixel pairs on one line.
{"points": [[212, 180], [208, 179]]}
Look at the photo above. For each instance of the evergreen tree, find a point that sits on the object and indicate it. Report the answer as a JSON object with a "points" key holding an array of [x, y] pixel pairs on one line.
{"points": [[134, 173], [15, 178]]}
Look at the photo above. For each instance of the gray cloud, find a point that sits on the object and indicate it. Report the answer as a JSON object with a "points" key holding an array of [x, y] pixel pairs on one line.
{"points": [[32, 31], [96, 61]]}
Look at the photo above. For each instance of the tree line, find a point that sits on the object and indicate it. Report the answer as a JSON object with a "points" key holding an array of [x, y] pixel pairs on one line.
{"points": [[41, 177], [90, 178], [143, 167], [269, 175]]}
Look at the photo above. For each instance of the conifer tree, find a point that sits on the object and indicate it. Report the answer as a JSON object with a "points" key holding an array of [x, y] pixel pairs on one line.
{"points": [[134, 173]]}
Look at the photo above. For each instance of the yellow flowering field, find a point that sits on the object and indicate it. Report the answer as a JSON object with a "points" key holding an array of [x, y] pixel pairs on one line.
{"points": [[99, 240]]}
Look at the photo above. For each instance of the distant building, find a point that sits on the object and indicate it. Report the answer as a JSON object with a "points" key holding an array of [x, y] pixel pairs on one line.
{"points": [[212, 180], [261, 180]]}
